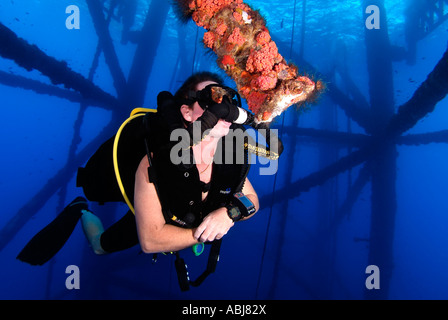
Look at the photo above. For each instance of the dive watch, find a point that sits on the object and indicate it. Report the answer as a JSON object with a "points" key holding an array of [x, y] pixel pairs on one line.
{"points": [[240, 207]]}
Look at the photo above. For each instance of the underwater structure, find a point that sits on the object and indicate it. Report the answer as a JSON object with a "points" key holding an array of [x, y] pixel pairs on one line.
{"points": [[239, 37], [385, 124]]}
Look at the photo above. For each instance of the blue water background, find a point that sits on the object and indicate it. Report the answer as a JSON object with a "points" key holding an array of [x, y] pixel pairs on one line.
{"points": [[287, 251]]}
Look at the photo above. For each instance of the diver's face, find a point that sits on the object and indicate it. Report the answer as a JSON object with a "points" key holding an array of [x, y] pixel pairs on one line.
{"points": [[192, 114]]}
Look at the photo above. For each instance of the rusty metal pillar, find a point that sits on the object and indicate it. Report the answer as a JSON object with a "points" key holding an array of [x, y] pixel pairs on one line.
{"points": [[383, 164]]}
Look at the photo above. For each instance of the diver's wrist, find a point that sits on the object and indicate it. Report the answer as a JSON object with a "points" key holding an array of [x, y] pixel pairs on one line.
{"points": [[234, 213]]}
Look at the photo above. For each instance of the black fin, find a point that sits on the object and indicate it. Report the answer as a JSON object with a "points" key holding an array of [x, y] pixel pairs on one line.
{"points": [[44, 245]]}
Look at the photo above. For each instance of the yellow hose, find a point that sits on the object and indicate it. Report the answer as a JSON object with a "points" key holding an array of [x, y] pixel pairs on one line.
{"points": [[138, 112]]}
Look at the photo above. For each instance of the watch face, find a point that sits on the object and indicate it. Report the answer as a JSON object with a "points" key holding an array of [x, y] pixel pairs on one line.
{"points": [[234, 213]]}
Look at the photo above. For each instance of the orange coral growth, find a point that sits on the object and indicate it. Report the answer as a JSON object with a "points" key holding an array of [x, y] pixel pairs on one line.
{"points": [[263, 60], [227, 60], [245, 50], [236, 37], [238, 17], [221, 28], [306, 80], [266, 115], [255, 100], [263, 38], [209, 39], [204, 10], [266, 83]]}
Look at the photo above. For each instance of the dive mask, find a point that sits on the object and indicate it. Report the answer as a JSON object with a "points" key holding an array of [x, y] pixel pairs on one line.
{"points": [[215, 93]]}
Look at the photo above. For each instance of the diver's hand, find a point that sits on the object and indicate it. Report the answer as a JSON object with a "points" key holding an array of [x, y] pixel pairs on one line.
{"points": [[225, 110], [215, 226], [231, 113]]}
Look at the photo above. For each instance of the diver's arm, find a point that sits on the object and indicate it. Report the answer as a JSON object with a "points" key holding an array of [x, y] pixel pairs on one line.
{"points": [[217, 223], [154, 234], [249, 191]]}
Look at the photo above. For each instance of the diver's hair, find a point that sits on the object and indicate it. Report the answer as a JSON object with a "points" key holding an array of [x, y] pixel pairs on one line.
{"points": [[192, 82]]}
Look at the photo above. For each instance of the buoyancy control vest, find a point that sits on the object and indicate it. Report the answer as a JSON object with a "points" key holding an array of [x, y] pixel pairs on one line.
{"points": [[97, 177], [178, 186], [180, 189]]}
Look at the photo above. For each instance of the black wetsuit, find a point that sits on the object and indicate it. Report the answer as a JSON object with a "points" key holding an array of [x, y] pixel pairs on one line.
{"points": [[179, 188]]}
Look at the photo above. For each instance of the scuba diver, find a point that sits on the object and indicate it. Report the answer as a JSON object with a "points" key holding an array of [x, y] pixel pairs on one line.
{"points": [[173, 204]]}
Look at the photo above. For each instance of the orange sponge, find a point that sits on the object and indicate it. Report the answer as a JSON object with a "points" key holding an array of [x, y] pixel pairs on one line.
{"points": [[245, 50]]}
